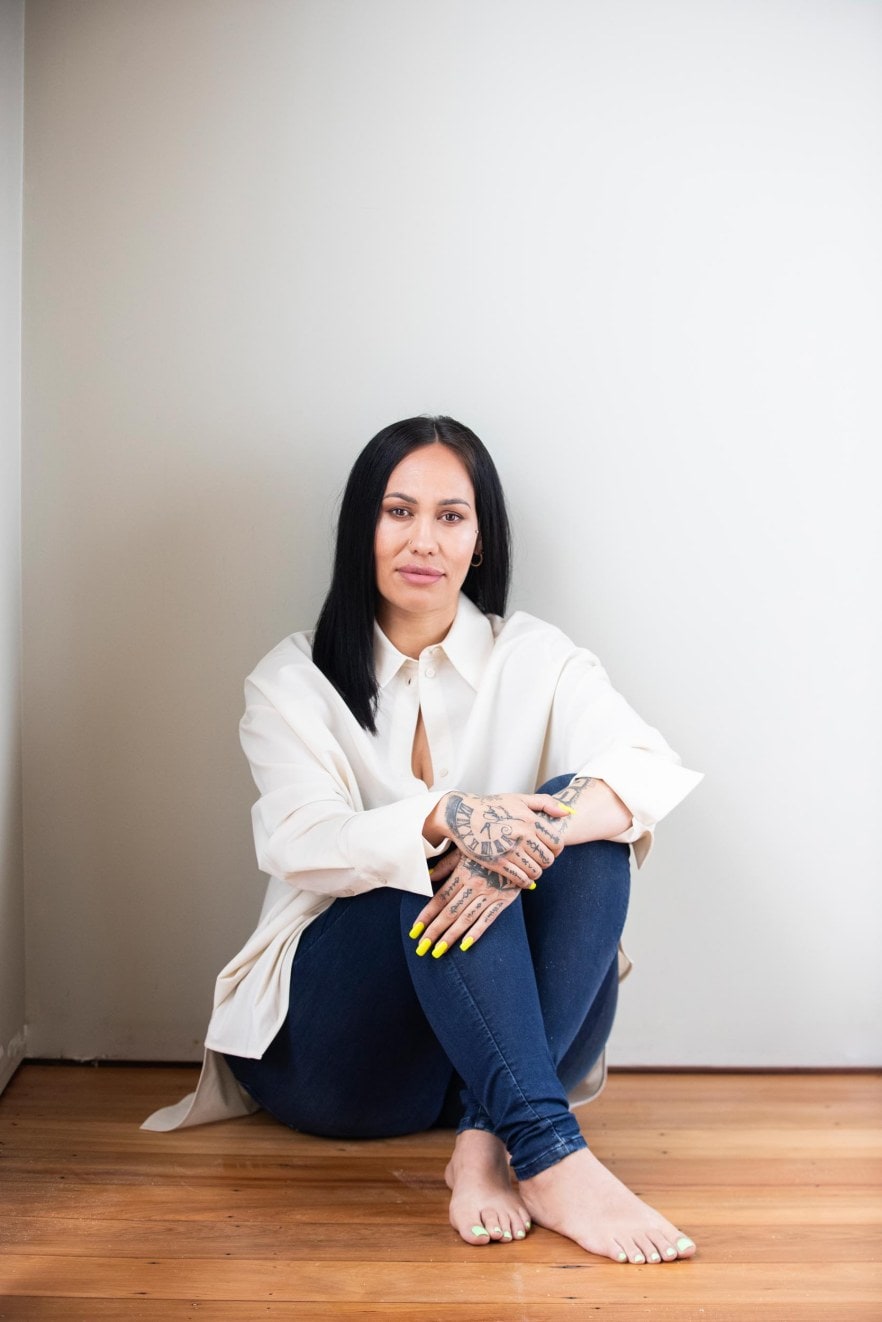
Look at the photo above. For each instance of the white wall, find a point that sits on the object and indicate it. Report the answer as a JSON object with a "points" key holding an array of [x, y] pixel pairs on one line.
{"points": [[635, 246], [12, 940]]}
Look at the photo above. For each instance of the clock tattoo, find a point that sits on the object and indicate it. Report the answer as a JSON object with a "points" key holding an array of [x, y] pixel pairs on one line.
{"points": [[483, 830]]}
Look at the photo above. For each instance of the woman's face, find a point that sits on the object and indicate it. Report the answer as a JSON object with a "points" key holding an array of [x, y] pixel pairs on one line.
{"points": [[426, 534]]}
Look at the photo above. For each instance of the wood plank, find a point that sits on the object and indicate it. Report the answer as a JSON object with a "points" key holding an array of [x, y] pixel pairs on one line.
{"points": [[40, 1309], [776, 1176], [480, 1280], [387, 1241]]}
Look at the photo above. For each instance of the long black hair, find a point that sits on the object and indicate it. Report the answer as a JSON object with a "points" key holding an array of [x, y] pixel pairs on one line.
{"points": [[343, 648]]}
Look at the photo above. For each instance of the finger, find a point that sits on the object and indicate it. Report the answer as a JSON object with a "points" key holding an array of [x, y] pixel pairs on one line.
{"points": [[540, 853], [473, 923], [441, 868], [518, 869], [484, 920], [547, 803], [455, 921], [441, 897], [550, 833]]}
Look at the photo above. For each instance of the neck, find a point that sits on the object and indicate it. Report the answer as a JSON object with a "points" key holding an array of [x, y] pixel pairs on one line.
{"points": [[411, 634]]}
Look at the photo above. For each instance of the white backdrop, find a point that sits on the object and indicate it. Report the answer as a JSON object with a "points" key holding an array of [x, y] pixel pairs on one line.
{"points": [[635, 246]]}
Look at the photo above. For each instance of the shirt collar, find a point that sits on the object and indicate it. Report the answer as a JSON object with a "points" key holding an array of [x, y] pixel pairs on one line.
{"points": [[467, 646]]}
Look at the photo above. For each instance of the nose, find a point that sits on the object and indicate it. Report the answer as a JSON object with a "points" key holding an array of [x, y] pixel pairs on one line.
{"points": [[423, 537]]}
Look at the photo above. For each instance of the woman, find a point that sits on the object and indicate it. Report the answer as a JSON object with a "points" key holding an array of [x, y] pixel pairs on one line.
{"points": [[400, 750]]}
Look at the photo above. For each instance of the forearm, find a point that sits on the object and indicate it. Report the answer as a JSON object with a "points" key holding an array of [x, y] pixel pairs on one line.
{"points": [[599, 812]]}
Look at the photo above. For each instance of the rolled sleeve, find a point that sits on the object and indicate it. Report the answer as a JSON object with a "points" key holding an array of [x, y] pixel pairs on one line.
{"points": [[650, 782], [311, 826], [597, 733]]}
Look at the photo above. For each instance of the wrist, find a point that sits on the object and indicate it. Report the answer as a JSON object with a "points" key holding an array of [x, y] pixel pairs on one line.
{"points": [[435, 825]]}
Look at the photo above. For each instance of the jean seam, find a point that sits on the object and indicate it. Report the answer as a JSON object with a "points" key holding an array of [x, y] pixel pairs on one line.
{"points": [[550, 1157], [544, 1120]]}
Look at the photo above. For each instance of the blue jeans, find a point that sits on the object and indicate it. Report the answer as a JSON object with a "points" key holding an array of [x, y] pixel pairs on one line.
{"points": [[379, 1042]]}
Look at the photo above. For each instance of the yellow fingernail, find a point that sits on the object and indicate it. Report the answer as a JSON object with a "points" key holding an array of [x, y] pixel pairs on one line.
{"points": [[423, 946], [439, 949], [532, 886], [417, 930], [566, 807], [467, 943]]}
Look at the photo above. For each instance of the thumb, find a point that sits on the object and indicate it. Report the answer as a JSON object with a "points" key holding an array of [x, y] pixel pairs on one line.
{"points": [[547, 803]]}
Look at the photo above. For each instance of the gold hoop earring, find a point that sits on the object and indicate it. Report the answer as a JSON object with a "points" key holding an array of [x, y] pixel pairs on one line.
{"points": [[477, 560]]}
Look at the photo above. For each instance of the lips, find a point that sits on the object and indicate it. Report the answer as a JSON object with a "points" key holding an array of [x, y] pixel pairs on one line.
{"points": [[420, 574]]}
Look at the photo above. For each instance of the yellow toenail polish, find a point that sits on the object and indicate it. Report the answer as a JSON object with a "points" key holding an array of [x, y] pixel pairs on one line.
{"points": [[638, 1258], [622, 1257], [467, 943], [417, 930], [684, 1243], [520, 1234], [423, 946], [497, 1230], [654, 1257], [439, 950], [528, 1224], [506, 1234], [670, 1253], [479, 1230]]}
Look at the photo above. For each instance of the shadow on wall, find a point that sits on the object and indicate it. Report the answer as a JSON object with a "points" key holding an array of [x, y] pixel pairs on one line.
{"points": [[140, 857]]}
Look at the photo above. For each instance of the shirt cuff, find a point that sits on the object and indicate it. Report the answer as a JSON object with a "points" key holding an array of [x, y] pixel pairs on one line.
{"points": [[366, 837]]}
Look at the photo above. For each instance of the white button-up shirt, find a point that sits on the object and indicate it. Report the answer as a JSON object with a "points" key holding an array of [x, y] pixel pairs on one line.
{"points": [[506, 705]]}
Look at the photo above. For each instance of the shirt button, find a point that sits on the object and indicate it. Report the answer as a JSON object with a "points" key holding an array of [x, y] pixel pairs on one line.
{"points": [[429, 672]]}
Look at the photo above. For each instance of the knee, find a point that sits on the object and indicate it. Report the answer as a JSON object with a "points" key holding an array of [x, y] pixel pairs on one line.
{"points": [[555, 785]]}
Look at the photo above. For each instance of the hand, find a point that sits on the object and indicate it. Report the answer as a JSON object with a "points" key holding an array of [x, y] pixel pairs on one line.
{"points": [[467, 903], [513, 835]]}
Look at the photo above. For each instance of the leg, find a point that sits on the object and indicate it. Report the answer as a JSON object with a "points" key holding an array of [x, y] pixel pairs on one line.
{"points": [[350, 1064], [355, 1057], [525, 1041]]}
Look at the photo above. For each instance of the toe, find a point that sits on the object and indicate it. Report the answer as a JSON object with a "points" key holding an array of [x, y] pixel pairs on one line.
{"points": [[647, 1248], [685, 1246], [476, 1234], [633, 1250], [493, 1221], [618, 1252]]}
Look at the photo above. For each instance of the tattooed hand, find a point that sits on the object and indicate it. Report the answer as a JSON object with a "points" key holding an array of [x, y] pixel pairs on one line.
{"points": [[472, 895], [552, 830], [463, 907], [508, 834]]}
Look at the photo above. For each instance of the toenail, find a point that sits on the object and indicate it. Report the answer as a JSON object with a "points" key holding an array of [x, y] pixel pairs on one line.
{"points": [[684, 1243], [638, 1257], [654, 1257], [479, 1230], [622, 1257], [670, 1253], [507, 1235], [521, 1234], [528, 1224]]}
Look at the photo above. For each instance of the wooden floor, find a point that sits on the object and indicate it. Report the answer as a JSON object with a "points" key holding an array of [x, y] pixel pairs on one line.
{"points": [[777, 1177]]}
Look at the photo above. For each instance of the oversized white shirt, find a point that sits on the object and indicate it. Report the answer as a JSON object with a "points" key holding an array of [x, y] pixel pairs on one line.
{"points": [[506, 705]]}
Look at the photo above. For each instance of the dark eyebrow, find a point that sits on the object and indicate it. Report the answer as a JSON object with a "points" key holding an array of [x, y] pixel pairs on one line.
{"points": [[411, 500]]}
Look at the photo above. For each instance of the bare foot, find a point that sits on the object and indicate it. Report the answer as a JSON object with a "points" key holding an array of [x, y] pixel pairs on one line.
{"points": [[483, 1204], [578, 1197]]}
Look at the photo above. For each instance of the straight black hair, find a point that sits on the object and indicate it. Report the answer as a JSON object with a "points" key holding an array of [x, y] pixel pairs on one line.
{"points": [[343, 647]]}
